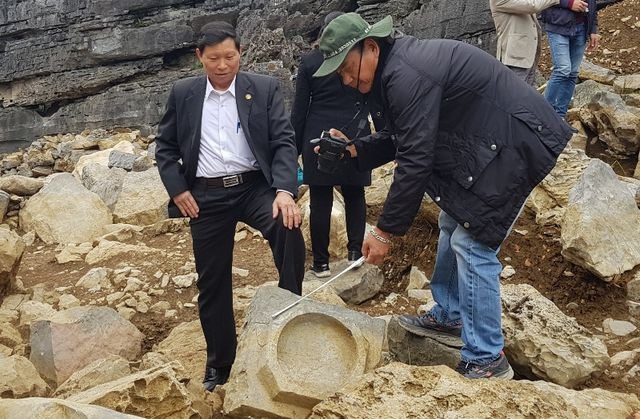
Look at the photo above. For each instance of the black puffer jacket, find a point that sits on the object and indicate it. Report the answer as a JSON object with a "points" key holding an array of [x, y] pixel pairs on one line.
{"points": [[463, 128]]}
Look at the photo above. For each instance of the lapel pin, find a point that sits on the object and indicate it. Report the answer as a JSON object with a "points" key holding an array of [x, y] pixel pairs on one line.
{"points": [[247, 96]]}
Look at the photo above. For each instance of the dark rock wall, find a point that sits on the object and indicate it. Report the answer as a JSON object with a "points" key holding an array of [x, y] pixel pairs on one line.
{"points": [[68, 65]]}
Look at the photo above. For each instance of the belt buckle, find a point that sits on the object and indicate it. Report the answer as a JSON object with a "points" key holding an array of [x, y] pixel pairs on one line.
{"points": [[229, 181]]}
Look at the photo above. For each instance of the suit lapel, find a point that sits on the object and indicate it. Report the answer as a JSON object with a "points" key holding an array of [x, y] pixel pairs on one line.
{"points": [[244, 102], [194, 104]]}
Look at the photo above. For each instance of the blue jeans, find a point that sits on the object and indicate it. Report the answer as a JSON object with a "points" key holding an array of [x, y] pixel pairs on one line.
{"points": [[466, 287], [566, 54]]}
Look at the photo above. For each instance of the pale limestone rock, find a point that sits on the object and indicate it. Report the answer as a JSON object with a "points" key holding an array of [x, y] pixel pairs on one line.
{"points": [[100, 371], [100, 157], [68, 301], [9, 335], [73, 253], [381, 179], [5, 200], [29, 238], [417, 279], [184, 281], [240, 272], [595, 230], [507, 272], [541, 341], [14, 301], [326, 295], [127, 313], [5, 351], [106, 250], [11, 251], [338, 229], [95, 279], [8, 316], [625, 359], [143, 199], [633, 288], [186, 345], [417, 350], [20, 185], [590, 71], [42, 408], [585, 91], [19, 378], [74, 338], [627, 83], [550, 198], [151, 393], [420, 295], [160, 307], [398, 391], [618, 327], [279, 369], [65, 212], [31, 311], [355, 286], [119, 232]]}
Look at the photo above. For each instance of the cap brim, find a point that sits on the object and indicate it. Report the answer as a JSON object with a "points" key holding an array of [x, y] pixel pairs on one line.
{"points": [[380, 29]]}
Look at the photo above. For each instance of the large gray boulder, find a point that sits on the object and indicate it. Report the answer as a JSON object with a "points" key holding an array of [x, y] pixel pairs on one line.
{"points": [[72, 339], [65, 212], [617, 124], [20, 185], [399, 391], [596, 231], [103, 181], [542, 342], [288, 364], [355, 286], [143, 199]]}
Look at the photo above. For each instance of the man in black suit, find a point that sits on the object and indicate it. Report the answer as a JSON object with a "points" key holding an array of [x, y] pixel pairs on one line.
{"points": [[226, 153]]}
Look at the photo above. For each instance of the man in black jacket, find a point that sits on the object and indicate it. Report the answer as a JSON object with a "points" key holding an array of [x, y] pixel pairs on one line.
{"points": [[226, 153], [468, 132]]}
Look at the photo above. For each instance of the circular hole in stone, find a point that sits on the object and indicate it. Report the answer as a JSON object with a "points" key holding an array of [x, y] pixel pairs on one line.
{"points": [[317, 351]]}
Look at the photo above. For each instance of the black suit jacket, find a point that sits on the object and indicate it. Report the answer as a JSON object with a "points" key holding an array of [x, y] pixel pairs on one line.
{"points": [[263, 118]]}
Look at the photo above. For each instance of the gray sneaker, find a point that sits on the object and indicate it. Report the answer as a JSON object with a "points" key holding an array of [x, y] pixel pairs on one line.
{"points": [[427, 326], [498, 369]]}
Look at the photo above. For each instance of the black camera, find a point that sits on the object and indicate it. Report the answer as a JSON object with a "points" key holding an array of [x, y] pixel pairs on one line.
{"points": [[332, 152]]}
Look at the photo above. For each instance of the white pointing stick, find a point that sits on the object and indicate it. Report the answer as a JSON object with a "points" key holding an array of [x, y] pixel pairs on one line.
{"points": [[347, 269]]}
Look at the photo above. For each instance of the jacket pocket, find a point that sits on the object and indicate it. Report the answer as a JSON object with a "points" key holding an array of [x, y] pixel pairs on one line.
{"points": [[473, 163], [517, 46]]}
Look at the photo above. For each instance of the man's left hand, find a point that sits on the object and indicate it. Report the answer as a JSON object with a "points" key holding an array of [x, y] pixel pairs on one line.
{"points": [[594, 42], [373, 249], [285, 204]]}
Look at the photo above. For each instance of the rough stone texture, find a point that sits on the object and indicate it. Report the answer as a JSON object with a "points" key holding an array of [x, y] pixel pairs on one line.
{"points": [[617, 124], [618, 327], [595, 230], [9, 335], [633, 288], [65, 212], [5, 200], [74, 338], [105, 182], [541, 341], [73, 253], [586, 90], [95, 279], [100, 371], [121, 160], [338, 230], [398, 391], [627, 84], [279, 369], [590, 71], [381, 179], [186, 345], [550, 198], [106, 250], [19, 378], [356, 286], [416, 350], [11, 250], [143, 199], [34, 310], [100, 157], [417, 279], [41, 408], [20, 185], [152, 393]]}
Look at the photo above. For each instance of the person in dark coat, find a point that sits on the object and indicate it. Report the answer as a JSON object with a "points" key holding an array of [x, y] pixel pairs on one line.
{"points": [[319, 104], [569, 31], [477, 139]]}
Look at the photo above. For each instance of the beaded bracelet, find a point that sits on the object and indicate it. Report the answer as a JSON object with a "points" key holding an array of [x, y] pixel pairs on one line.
{"points": [[379, 237]]}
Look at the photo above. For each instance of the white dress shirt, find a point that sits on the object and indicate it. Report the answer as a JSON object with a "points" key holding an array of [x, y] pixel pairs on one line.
{"points": [[224, 149]]}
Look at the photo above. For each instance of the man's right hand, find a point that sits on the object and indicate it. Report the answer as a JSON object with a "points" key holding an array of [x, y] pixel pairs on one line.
{"points": [[579, 6], [186, 204]]}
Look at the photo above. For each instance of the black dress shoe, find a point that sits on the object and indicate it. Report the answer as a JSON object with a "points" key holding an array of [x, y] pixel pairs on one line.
{"points": [[214, 377]]}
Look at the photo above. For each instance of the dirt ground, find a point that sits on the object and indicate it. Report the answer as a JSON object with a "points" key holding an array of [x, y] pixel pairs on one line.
{"points": [[619, 26]]}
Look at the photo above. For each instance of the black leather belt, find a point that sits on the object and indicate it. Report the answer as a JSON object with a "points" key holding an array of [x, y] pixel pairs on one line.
{"points": [[228, 181]]}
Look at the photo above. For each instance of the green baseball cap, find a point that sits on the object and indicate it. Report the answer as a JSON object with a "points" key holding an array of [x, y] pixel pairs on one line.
{"points": [[342, 33]]}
